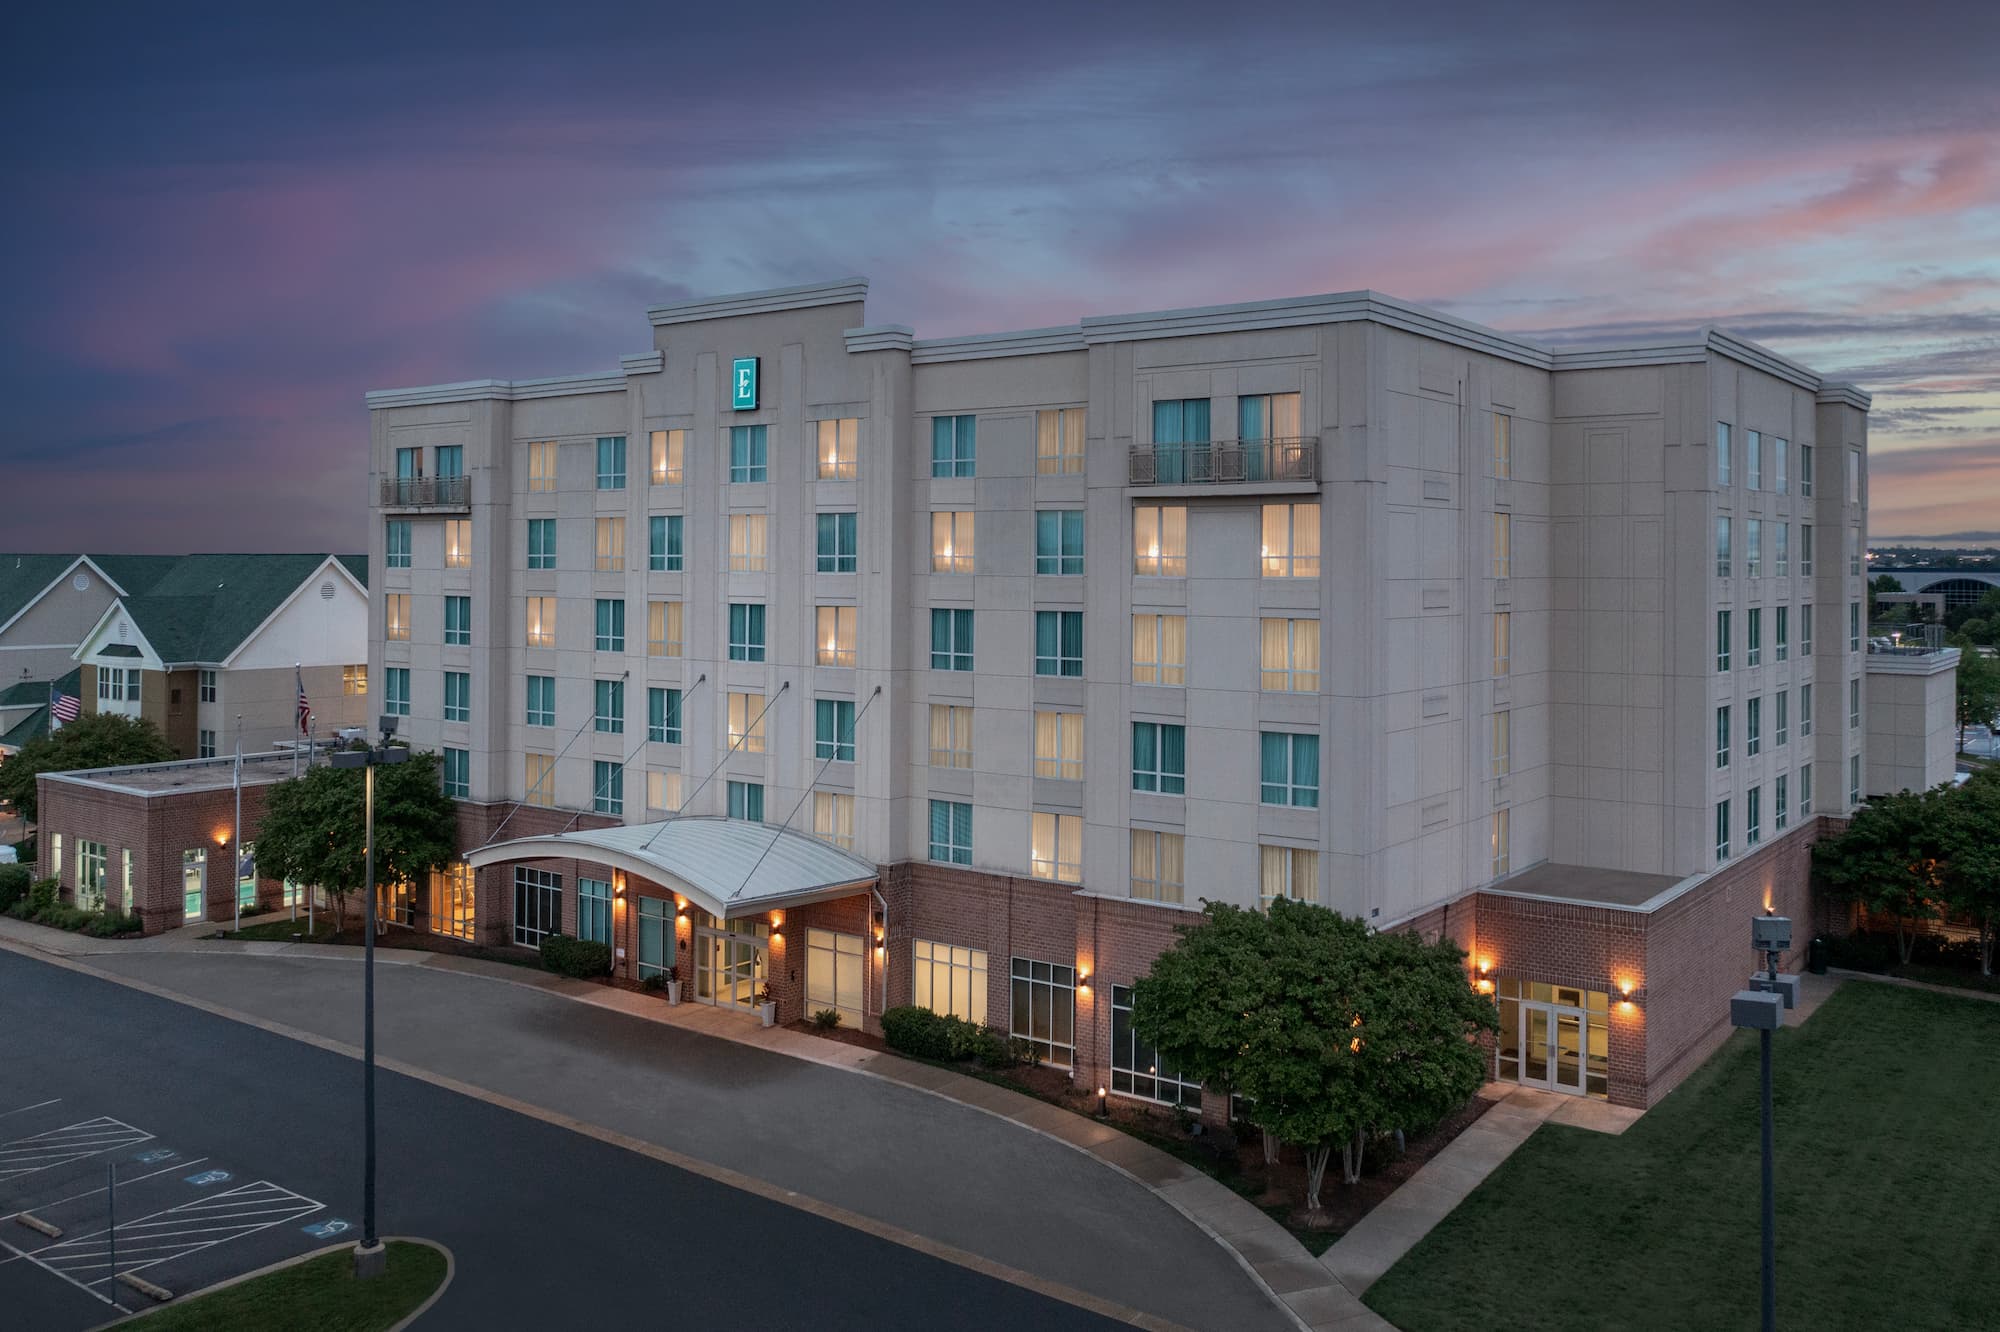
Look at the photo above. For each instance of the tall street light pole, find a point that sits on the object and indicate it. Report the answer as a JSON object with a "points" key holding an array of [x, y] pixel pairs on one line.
{"points": [[369, 1255], [1761, 1007]]}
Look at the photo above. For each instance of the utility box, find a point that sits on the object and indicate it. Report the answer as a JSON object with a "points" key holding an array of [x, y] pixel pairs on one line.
{"points": [[1757, 1010], [1770, 934], [1786, 987]]}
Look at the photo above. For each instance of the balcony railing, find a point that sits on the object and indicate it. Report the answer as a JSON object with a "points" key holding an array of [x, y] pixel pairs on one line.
{"points": [[427, 492], [1225, 462]]}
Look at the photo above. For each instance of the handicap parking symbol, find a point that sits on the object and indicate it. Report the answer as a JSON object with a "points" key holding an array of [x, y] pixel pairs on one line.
{"points": [[157, 1154], [325, 1229], [208, 1177]]}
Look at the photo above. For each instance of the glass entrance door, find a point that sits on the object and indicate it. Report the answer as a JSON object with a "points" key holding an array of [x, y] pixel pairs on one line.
{"points": [[1553, 1036], [729, 962], [194, 881]]}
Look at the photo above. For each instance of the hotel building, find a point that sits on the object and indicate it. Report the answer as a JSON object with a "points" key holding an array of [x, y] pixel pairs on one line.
{"points": [[877, 669]]}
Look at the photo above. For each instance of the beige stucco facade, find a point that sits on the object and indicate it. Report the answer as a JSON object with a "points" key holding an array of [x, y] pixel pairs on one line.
{"points": [[1910, 699]]}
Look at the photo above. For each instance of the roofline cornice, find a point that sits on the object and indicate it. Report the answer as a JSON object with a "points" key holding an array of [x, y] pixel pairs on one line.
{"points": [[1839, 391], [842, 291], [879, 337], [985, 346]]}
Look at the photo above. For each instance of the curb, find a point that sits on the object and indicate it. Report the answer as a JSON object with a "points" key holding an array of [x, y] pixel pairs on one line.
{"points": [[450, 1270]]}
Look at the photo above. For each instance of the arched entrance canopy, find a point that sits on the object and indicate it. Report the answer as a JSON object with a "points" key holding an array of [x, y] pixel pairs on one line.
{"points": [[728, 867]]}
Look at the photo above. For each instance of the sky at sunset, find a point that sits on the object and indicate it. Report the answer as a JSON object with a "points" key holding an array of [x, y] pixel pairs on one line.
{"points": [[224, 223]]}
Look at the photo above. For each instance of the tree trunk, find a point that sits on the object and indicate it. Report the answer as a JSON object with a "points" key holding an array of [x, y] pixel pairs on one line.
{"points": [[1986, 944], [1906, 939], [339, 912], [1316, 1157], [1350, 1157], [1270, 1148]]}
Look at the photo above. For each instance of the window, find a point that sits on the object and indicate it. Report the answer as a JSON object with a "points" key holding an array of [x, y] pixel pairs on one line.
{"points": [[746, 801], [1805, 550], [834, 635], [457, 772], [1058, 643], [457, 621], [1136, 1067], [950, 980], [1753, 639], [1805, 491], [951, 640], [55, 855], [748, 542], [663, 791], [746, 631], [353, 682], [1781, 721], [1291, 656], [1854, 779], [1059, 541], [610, 545], [1180, 441], [1722, 454], [1159, 872], [115, 684], [1503, 445], [541, 700], [1781, 646], [1853, 551], [749, 458], [669, 450], [1753, 548], [608, 707], [836, 542], [537, 905], [1854, 704], [1503, 643], [1722, 737], [1044, 1009], [951, 736], [1721, 831], [1057, 851], [396, 617], [206, 680], [663, 628], [1778, 802], [746, 723], [1503, 545], [1059, 441], [1286, 871], [1159, 541], [1753, 817], [1722, 551], [1059, 745], [951, 542], [539, 779], [1753, 460], [194, 882], [593, 910], [610, 625], [542, 465], [836, 974], [452, 900], [1502, 761], [409, 462], [1753, 727], [204, 744], [396, 691], [1805, 776], [663, 543], [1805, 630], [1159, 649], [1499, 837], [1290, 770], [663, 716], [1805, 710], [1291, 541], [1781, 550], [90, 863], [1780, 456], [833, 729], [1854, 626], [541, 543], [457, 541], [953, 445], [396, 544], [1159, 757], [1854, 476], [839, 448], [951, 832], [611, 462], [607, 787], [1722, 640], [833, 818], [457, 696], [541, 622]]}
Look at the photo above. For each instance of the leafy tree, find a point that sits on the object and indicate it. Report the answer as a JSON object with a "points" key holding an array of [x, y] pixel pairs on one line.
{"points": [[1880, 583], [1979, 631], [1978, 690], [95, 740], [1970, 839], [1889, 859], [314, 830]]}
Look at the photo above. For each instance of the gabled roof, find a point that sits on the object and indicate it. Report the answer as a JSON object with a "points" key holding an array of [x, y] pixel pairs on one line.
{"points": [[35, 692], [201, 608], [26, 579]]}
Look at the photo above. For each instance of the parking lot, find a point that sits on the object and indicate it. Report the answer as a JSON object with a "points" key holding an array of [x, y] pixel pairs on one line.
{"points": [[183, 1215]]}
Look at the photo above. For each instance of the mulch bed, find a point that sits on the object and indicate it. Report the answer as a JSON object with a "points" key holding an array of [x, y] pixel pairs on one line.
{"points": [[845, 1035]]}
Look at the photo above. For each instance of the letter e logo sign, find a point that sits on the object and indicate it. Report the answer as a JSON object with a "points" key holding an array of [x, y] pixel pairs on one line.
{"points": [[743, 391]]}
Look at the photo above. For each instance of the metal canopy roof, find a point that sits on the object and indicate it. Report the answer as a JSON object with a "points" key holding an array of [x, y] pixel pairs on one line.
{"points": [[728, 867]]}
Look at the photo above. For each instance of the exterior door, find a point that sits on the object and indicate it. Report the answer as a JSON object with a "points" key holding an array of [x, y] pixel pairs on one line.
{"points": [[656, 937], [194, 884], [833, 974], [730, 967], [1552, 1045]]}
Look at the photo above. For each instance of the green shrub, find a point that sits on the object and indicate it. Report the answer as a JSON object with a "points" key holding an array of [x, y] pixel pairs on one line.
{"points": [[20, 910], [581, 958], [915, 1031], [655, 983], [111, 924], [826, 1019], [14, 881], [62, 916], [42, 895], [928, 1035]]}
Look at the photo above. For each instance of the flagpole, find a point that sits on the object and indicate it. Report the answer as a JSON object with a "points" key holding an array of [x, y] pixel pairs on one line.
{"points": [[237, 845]]}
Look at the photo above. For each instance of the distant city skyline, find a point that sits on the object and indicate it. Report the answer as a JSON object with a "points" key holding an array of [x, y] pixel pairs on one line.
{"points": [[229, 222]]}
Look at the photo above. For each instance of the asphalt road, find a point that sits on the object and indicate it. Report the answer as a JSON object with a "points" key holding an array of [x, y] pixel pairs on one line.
{"points": [[549, 1228]]}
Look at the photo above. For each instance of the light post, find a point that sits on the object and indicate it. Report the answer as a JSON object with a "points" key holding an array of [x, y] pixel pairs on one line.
{"points": [[1761, 1008], [369, 1256]]}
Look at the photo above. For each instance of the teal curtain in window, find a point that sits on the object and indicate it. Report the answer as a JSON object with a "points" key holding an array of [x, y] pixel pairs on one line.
{"points": [[1145, 756], [451, 460], [1277, 769], [1048, 542], [940, 640], [1173, 760], [748, 453], [940, 829], [1305, 771], [1253, 424], [942, 445], [1072, 642]]}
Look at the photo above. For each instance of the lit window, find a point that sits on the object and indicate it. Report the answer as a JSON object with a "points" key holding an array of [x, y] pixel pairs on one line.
{"points": [[396, 691], [951, 736], [541, 700], [949, 980], [835, 635], [951, 832], [539, 778], [542, 465], [1159, 860], [396, 616], [1159, 757], [663, 543], [833, 814], [1722, 470], [1291, 541], [749, 457], [748, 536], [1159, 540], [663, 716], [396, 544], [1059, 745], [839, 452], [457, 696], [836, 542], [746, 631], [669, 449], [458, 543], [541, 622], [1059, 541], [1159, 649], [746, 723], [1286, 871], [541, 543], [953, 445], [452, 900], [1499, 836], [610, 625], [1502, 746], [1291, 656], [1503, 643], [611, 462], [951, 640], [1059, 441], [951, 542], [663, 628], [745, 800], [1058, 847], [610, 545], [457, 621], [608, 713], [1290, 770], [663, 791], [833, 729], [1503, 445], [353, 682], [1059, 643], [607, 787]]}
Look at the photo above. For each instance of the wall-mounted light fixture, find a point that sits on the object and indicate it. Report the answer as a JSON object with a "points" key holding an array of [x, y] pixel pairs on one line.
{"points": [[1483, 983]]}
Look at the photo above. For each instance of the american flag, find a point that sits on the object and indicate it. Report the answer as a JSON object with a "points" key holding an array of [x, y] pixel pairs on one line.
{"points": [[64, 707], [305, 709]]}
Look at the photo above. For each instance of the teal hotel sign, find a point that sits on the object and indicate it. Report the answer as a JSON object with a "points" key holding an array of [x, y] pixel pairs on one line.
{"points": [[743, 384]]}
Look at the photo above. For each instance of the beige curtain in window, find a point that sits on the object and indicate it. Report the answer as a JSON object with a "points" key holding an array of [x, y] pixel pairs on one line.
{"points": [[1173, 649], [1173, 874], [1305, 540], [1048, 744], [1285, 417], [1305, 655], [1048, 442], [1277, 654]]}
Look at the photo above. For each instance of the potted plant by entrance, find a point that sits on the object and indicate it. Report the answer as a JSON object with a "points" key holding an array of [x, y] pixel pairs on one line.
{"points": [[767, 1006], [673, 984]]}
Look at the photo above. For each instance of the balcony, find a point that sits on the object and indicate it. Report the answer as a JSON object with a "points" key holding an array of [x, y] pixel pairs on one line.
{"points": [[1282, 463], [434, 494]]}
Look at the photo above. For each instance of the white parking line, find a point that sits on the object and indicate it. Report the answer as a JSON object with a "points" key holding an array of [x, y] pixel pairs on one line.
{"points": [[24, 1109], [175, 1233], [57, 1202], [72, 1142]]}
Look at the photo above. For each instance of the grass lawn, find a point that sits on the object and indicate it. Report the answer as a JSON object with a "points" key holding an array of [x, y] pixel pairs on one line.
{"points": [[317, 1296], [282, 929], [1888, 1168]]}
